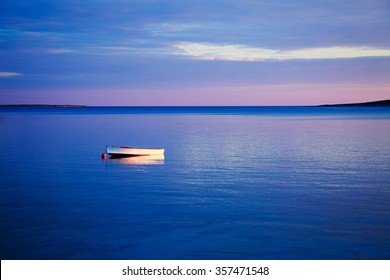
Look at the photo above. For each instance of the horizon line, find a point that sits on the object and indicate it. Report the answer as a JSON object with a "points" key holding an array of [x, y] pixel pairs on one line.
{"points": [[384, 102]]}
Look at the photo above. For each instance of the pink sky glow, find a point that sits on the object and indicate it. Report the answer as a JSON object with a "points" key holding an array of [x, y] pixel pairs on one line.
{"points": [[262, 95]]}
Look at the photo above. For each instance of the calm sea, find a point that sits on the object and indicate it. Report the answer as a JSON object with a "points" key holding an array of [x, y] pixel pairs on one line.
{"points": [[235, 183]]}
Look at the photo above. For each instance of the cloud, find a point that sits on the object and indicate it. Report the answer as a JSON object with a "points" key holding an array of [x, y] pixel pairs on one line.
{"points": [[9, 74], [60, 51], [127, 51], [171, 28], [205, 51]]}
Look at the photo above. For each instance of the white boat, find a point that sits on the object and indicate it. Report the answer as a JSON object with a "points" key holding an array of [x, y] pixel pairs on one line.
{"points": [[118, 152]]}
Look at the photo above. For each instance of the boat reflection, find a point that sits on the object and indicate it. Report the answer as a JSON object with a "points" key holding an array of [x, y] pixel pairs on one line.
{"points": [[152, 159]]}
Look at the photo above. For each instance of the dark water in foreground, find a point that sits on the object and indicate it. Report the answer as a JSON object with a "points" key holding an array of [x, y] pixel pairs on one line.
{"points": [[236, 183]]}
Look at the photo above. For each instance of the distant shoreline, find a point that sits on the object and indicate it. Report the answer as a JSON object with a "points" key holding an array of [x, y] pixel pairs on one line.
{"points": [[372, 103], [41, 105], [365, 104]]}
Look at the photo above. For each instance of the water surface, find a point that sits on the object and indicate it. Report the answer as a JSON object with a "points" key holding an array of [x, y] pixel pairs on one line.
{"points": [[235, 183]]}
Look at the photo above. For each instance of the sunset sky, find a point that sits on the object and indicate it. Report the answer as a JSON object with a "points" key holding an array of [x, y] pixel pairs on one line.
{"points": [[193, 52]]}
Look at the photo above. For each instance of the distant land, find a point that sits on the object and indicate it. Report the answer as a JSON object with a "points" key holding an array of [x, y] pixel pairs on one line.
{"points": [[372, 103], [41, 105]]}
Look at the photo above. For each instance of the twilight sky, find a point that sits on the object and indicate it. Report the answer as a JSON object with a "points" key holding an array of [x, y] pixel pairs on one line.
{"points": [[194, 52]]}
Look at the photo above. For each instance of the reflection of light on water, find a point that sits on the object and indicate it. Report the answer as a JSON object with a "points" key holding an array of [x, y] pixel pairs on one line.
{"points": [[152, 159]]}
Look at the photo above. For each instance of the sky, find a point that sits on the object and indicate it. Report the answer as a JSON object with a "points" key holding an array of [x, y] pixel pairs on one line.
{"points": [[194, 52]]}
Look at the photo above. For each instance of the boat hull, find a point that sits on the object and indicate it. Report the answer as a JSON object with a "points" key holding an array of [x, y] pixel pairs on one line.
{"points": [[120, 152], [140, 160]]}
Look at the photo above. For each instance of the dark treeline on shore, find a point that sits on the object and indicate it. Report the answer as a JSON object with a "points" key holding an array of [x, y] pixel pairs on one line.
{"points": [[41, 105], [372, 103]]}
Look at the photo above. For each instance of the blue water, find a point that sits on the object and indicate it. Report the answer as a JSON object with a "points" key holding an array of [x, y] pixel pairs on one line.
{"points": [[236, 183]]}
